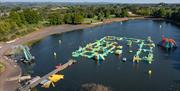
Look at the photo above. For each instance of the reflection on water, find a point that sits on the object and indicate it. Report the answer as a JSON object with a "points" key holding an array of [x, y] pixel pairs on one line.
{"points": [[167, 51], [113, 72]]}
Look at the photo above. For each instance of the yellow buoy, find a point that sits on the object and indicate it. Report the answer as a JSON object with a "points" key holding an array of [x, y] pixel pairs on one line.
{"points": [[55, 54], [59, 41], [149, 72], [150, 62]]}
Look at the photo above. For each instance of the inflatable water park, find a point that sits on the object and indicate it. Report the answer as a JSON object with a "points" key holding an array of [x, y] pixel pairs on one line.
{"points": [[115, 45]]}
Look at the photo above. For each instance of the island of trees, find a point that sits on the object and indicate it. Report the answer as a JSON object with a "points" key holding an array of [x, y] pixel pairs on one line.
{"points": [[18, 20]]}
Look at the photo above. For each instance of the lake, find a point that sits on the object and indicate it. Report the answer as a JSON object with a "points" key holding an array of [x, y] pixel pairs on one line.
{"points": [[113, 73]]}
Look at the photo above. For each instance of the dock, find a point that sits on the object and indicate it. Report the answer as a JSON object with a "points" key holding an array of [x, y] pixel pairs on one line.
{"points": [[34, 82], [19, 78]]}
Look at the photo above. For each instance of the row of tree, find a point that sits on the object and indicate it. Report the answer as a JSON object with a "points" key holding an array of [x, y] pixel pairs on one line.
{"points": [[159, 12], [76, 14], [19, 18], [56, 18]]}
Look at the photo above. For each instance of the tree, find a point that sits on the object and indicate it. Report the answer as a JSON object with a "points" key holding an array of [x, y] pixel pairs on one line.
{"points": [[67, 19], [77, 19], [100, 17], [90, 15], [106, 13], [55, 19], [124, 13], [31, 16], [15, 17], [145, 11], [23, 19], [118, 13], [160, 12], [175, 16], [16, 8], [4, 27]]}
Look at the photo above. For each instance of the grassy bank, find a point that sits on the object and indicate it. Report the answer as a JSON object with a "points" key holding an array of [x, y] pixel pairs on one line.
{"points": [[2, 67], [21, 31]]}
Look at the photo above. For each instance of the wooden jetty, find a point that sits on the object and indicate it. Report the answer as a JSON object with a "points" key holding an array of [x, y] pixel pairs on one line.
{"points": [[34, 82]]}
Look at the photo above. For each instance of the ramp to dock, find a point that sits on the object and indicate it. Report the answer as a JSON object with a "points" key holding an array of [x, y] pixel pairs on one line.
{"points": [[27, 53]]}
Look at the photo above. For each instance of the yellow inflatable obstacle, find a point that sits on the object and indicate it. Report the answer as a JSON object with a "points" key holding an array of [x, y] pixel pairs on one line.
{"points": [[51, 80], [56, 77], [136, 59]]}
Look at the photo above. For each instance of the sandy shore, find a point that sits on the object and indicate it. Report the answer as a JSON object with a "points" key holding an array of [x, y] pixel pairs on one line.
{"points": [[12, 70]]}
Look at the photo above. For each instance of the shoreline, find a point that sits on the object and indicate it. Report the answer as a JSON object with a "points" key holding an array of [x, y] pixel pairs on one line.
{"points": [[12, 71]]}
